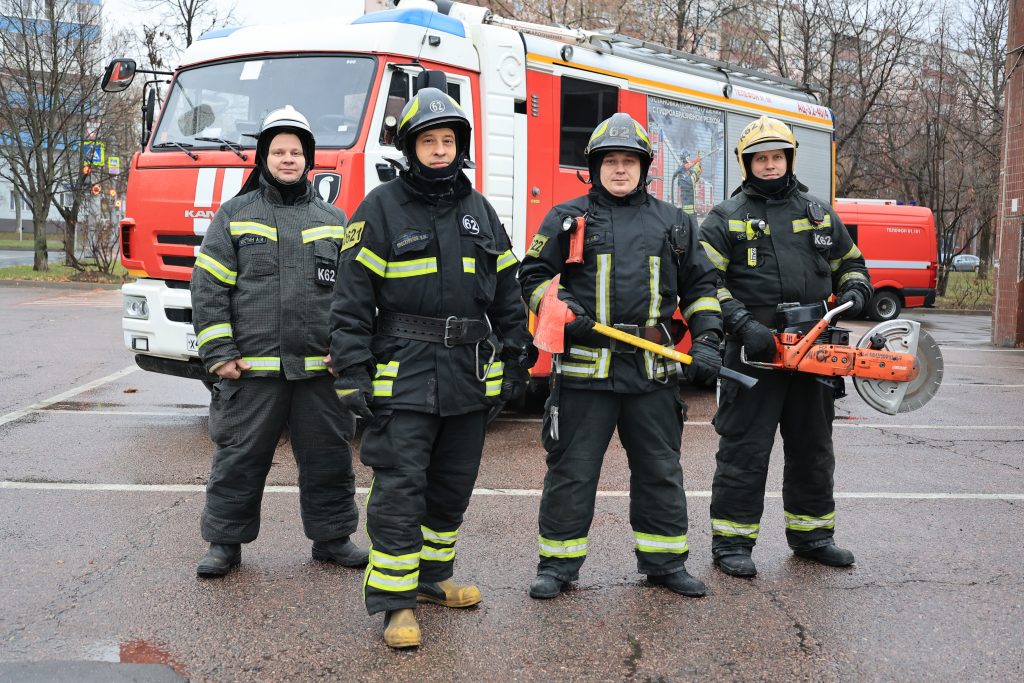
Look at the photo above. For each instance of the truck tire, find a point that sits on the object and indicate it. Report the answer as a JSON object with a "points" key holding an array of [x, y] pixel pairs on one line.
{"points": [[884, 305]]}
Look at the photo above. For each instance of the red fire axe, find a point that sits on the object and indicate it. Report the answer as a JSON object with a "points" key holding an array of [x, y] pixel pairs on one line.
{"points": [[554, 314]]}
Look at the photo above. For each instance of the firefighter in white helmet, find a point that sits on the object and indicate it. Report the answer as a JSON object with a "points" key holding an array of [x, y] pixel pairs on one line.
{"points": [[261, 295], [773, 243]]}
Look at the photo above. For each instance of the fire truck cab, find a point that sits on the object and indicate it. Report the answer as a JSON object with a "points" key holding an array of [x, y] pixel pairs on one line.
{"points": [[533, 93]]}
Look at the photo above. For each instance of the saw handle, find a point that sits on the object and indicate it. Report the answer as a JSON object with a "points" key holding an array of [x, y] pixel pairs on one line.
{"points": [[668, 352]]}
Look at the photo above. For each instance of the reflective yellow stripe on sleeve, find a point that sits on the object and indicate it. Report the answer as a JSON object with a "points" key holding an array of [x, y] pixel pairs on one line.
{"points": [[263, 363], [216, 269], [239, 228], [704, 303], [717, 260], [373, 262], [213, 332], [507, 260], [854, 253], [314, 363], [468, 264], [537, 295], [853, 275], [388, 371], [494, 376]]}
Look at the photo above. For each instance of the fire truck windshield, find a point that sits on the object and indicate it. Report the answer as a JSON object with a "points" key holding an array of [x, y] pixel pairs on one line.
{"points": [[216, 104]]}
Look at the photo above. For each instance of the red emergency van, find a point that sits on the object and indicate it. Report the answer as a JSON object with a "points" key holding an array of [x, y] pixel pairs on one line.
{"points": [[900, 249]]}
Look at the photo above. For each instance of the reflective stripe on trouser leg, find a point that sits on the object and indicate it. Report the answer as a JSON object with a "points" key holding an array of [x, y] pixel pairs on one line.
{"points": [[397, 446], [246, 419], [807, 481], [451, 475], [746, 422], [650, 428], [586, 422], [320, 434]]}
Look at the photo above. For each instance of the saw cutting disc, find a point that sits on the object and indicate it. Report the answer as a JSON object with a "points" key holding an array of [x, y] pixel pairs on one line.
{"points": [[902, 336]]}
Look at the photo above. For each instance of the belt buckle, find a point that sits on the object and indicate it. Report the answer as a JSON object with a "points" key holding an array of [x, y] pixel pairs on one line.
{"points": [[449, 321], [617, 346]]}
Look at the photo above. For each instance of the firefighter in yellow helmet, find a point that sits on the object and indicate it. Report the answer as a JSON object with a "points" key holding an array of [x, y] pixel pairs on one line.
{"points": [[774, 243]]}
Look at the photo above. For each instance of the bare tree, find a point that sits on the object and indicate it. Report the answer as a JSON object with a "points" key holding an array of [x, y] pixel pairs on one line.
{"points": [[48, 83], [177, 24]]}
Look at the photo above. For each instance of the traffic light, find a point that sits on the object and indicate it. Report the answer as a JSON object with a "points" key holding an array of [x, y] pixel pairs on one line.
{"points": [[96, 189], [112, 192], [87, 169], [117, 204]]}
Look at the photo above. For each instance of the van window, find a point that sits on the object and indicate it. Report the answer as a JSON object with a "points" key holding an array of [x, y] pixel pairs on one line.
{"points": [[398, 96], [852, 229], [584, 105]]}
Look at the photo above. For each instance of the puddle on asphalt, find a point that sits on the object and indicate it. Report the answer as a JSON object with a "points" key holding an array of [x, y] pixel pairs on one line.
{"points": [[144, 652]]}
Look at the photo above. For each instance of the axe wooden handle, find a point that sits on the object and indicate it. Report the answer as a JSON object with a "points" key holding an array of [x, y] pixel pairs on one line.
{"points": [[668, 352]]}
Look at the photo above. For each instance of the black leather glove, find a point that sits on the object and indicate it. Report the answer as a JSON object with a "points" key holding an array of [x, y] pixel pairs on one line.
{"points": [[516, 375], [354, 389], [855, 295], [582, 323], [707, 361], [758, 340]]}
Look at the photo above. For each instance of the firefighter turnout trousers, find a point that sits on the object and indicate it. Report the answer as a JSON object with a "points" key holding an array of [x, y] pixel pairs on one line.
{"points": [[802, 407], [247, 417], [424, 469], [650, 428]]}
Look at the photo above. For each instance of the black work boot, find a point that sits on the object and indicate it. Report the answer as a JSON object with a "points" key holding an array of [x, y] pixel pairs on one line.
{"points": [[340, 550], [545, 587], [737, 564], [830, 554], [680, 582], [219, 559]]}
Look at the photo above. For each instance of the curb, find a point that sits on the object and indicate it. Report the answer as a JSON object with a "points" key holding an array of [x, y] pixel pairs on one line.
{"points": [[948, 311], [44, 284]]}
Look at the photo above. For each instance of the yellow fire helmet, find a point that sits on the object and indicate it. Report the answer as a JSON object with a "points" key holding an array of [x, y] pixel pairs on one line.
{"points": [[763, 134]]}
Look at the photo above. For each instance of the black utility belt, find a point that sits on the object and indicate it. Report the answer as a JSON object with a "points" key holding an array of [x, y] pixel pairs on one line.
{"points": [[654, 333], [450, 331]]}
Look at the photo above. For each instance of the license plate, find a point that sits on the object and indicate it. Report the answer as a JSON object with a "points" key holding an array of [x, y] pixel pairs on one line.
{"points": [[190, 343]]}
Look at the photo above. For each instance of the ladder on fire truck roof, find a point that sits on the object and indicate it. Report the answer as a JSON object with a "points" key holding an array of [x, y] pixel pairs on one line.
{"points": [[656, 53]]}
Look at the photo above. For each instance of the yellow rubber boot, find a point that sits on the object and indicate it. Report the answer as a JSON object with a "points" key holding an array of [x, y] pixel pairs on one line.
{"points": [[448, 593], [401, 630]]}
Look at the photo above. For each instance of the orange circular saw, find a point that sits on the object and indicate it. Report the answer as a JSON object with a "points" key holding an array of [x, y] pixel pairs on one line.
{"points": [[896, 366]]}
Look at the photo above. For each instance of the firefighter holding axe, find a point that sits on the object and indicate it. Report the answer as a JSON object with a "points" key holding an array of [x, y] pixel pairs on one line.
{"points": [[621, 262]]}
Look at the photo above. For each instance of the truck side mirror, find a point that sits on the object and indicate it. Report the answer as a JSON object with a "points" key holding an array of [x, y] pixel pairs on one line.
{"points": [[119, 75], [148, 109]]}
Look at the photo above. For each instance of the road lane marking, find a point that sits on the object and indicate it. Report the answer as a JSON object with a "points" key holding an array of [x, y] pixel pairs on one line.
{"points": [[522, 493], [18, 414], [89, 299]]}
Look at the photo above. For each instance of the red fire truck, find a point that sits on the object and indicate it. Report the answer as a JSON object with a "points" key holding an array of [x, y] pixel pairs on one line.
{"points": [[534, 93]]}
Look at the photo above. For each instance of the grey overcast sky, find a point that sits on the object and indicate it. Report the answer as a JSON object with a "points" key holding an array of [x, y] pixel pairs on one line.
{"points": [[126, 13]]}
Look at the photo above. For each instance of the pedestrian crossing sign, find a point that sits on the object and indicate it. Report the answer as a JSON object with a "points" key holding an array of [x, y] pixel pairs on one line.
{"points": [[94, 153]]}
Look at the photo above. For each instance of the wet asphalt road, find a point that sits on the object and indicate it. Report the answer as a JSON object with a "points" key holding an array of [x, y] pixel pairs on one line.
{"points": [[102, 489], [24, 257]]}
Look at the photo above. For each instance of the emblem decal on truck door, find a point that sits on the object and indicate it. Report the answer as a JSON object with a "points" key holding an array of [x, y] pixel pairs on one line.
{"points": [[327, 185]]}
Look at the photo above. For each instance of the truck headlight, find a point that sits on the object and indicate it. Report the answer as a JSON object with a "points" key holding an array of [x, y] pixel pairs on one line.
{"points": [[136, 307]]}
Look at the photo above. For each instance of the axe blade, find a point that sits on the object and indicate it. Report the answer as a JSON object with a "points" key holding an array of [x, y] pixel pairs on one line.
{"points": [[552, 315]]}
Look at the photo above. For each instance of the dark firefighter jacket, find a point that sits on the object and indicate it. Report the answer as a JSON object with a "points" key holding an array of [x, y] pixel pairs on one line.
{"points": [[414, 253], [262, 283], [787, 258], [631, 275]]}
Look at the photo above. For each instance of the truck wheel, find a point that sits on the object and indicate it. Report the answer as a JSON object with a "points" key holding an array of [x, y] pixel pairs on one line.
{"points": [[884, 305]]}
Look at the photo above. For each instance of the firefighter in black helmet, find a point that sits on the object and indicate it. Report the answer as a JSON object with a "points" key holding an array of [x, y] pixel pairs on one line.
{"points": [[773, 243], [261, 296], [641, 263], [428, 332]]}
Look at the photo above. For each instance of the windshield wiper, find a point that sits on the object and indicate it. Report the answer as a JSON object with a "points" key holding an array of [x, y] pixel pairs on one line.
{"points": [[183, 146], [233, 146]]}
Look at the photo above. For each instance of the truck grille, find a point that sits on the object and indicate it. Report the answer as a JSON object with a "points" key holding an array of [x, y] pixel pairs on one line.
{"points": [[180, 261]]}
